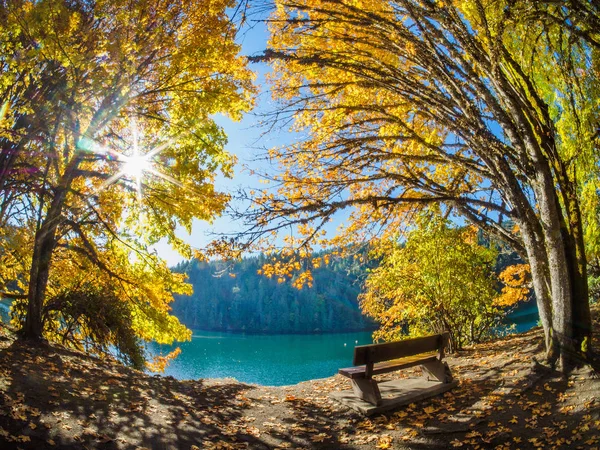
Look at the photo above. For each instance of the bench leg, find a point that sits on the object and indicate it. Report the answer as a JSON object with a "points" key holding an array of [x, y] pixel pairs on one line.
{"points": [[367, 390], [437, 370]]}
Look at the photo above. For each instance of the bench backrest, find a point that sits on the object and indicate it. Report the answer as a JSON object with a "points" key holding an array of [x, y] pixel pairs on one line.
{"points": [[374, 353]]}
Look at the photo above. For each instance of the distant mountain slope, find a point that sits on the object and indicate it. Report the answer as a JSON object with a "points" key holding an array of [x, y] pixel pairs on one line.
{"points": [[238, 299]]}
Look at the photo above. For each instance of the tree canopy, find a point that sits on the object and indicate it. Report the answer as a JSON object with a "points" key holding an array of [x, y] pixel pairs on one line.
{"points": [[109, 144], [441, 279], [487, 108]]}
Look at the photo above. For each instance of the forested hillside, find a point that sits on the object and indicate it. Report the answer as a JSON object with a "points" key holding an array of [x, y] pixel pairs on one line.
{"points": [[237, 298]]}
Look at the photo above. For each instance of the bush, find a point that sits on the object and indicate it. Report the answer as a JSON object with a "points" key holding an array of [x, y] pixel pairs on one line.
{"points": [[93, 319], [440, 279]]}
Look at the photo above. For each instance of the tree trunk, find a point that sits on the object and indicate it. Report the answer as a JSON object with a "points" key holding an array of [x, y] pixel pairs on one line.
{"points": [[539, 273], [577, 265], [570, 304], [556, 256], [38, 280], [45, 242], [581, 316]]}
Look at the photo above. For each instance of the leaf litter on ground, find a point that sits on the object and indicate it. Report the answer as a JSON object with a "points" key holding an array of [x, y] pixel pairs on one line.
{"points": [[52, 397]]}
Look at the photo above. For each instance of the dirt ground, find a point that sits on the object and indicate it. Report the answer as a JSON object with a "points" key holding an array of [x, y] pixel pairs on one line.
{"points": [[51, 398]]}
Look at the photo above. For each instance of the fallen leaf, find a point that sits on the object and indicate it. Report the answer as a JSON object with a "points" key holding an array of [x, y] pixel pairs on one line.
{"points": [[319, 437], [385, 441]]}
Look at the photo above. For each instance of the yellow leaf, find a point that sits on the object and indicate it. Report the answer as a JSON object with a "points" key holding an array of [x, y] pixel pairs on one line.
{"points": [[320, 437], [385, 441]]}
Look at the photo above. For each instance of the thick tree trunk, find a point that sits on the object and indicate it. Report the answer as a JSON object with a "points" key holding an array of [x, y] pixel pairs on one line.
{"points": [[577, 265], [45, 242], [556, 256], [560, 280], [572, 232], [580, 317], [539, 274], [38, 281], [532, 234], [570, 305]]}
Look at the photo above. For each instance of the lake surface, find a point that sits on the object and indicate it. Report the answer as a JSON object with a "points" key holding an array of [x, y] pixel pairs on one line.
{"points": [[271, 360], [524, 318], [279, 360]]}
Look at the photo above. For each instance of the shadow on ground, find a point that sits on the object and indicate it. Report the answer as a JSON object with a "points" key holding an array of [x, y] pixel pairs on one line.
{"points": [[54, 398], [51, 398]]}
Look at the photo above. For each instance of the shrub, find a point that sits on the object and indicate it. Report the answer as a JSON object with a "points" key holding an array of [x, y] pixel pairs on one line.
{"points": [[439, 279]]}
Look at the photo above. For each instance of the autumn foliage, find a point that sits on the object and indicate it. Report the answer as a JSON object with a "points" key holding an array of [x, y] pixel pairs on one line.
{"points": [[440, 278], [108, 145], [487, 109]]}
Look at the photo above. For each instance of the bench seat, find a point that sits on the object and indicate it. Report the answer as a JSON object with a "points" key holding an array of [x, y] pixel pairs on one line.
{"points": [[375, 359], [389, 366]]}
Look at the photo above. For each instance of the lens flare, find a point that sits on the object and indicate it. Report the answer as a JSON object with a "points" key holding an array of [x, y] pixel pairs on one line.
{"points": [[135, 166]]}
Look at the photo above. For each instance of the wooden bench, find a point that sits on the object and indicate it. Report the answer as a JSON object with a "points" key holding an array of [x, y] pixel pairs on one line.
{"points": [[427, 352]]}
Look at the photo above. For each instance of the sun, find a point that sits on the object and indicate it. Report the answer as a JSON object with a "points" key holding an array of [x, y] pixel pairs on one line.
{"points": [[135, 165]]}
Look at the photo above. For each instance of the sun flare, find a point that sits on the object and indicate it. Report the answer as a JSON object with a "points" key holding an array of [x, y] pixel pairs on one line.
{"points": [[135, 166]]}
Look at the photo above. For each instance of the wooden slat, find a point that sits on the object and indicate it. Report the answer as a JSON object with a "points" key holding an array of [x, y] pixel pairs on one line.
{"points": [[388, 366], [394, 394], [363, 354], [404, 363]]}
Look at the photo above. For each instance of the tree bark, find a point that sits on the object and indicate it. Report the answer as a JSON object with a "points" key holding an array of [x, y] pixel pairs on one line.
{"points": [[539, 275], [45, 242], [571, 320], [577, 266], [38, 280]]}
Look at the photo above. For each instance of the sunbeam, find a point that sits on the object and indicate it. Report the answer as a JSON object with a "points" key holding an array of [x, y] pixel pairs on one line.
{"points": [[134, 167]]}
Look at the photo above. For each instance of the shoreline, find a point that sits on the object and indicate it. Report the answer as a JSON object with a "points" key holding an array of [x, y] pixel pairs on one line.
{"points": [[55, 398]]}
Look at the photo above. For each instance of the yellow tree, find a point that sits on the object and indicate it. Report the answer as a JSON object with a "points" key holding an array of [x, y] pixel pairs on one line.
{"points": [[408, 103], [580, 18], [124, 149], [420, 287]]}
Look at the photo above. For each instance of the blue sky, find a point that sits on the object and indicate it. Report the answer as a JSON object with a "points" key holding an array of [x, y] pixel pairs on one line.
{"points": [[244, 141], [248, 141]]}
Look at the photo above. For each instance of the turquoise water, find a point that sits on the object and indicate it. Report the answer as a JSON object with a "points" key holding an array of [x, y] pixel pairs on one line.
{"points": [[278, 360], [524, 318], [271, 360]]}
